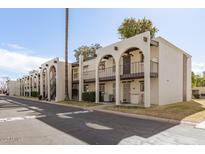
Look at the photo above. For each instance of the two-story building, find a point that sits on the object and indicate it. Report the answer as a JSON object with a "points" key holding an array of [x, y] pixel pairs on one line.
{"points": [[138, 70]]}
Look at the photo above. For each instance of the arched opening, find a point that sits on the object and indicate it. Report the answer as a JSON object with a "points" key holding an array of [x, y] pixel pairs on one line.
{"points": [[106, 74], [39, 82], [52, 76], [132, 76], [34, 84], [45, 85], [27, 86]]}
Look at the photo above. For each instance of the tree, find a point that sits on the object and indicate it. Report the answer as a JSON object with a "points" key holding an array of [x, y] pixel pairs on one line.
{"points": [[198, 81], [194, 79], [3, 84], [87, 51], [131, 27]]}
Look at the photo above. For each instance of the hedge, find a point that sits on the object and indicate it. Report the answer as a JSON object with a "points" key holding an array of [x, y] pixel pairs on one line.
{"points": [[88, 96], [34, 94], [196, 96]]}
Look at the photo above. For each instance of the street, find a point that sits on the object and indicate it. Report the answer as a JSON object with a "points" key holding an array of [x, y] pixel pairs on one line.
{"points": [[33, 122]]}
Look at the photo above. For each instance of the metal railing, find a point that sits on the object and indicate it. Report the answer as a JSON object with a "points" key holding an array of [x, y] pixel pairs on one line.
{"points": [[75, 76], [133, 68], [107, 72]]}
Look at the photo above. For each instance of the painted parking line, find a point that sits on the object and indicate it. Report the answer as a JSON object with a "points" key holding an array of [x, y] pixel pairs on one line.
{"points": [[66, 115], [20, 118], [61, 115]]}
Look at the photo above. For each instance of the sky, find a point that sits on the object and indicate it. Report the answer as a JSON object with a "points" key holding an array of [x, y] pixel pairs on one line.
{"points": [[30, 37]]}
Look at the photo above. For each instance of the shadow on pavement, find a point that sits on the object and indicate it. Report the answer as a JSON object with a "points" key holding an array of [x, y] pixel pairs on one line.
{"points": [[93, 127]]}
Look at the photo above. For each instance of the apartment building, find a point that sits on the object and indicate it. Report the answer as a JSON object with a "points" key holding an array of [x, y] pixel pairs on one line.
{"points": [[13, 88], [139, 71]]}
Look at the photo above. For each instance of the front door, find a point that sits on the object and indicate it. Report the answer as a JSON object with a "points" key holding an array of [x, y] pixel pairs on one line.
{"points": [[126, 92], [126, 64], [102, 92]]}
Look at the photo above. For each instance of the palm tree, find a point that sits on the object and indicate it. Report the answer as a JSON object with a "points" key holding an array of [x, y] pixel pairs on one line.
{"points": [[66, 55]]}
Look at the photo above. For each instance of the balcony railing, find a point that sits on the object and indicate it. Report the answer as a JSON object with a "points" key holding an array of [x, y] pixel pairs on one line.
{"points": [[136, 70], [107, 72]]}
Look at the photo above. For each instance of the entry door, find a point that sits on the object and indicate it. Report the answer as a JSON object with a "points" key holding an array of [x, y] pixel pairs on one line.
{"points": [[126, 64], [126, 92], [102, 92]]}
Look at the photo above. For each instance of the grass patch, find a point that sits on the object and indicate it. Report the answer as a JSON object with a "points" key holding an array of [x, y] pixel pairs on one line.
{"points": [[79, 103], [193, 111]]}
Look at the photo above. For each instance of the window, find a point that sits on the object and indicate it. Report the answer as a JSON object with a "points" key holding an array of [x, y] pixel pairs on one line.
{"points": [[102, 65], [141, 86], [195, 91], [85, 68], [102, 88], [75, 73], [86, 88], [113, 89]]}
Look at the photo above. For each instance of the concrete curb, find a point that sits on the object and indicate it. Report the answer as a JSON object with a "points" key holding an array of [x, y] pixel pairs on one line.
{"points": [[146, 117], [51, 102], [116, 112]]}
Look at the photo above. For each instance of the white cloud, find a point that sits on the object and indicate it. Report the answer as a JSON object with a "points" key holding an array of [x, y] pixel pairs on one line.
{"points": [[19, 62], [15, 46], [198, 68]]}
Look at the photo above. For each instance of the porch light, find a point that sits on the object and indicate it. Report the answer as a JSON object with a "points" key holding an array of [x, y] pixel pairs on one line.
{"points": [[46, 65], [115, 48], [55, 61]]}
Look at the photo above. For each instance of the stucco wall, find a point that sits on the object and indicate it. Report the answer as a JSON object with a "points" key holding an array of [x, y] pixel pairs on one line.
{"points": [[170, 74], [13, 88], [154, 92], [90, 63], [60, 81], [189, 81]]}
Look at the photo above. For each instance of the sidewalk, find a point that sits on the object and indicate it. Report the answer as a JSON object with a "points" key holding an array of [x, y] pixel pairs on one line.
{"points": [[101, 108]]}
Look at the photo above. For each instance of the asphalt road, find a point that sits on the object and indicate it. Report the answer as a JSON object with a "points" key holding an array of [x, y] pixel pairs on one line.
{"points": [[32, 122]]}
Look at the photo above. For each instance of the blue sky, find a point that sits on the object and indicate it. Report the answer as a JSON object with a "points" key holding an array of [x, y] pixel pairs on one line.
{"points": [[38, 34]]}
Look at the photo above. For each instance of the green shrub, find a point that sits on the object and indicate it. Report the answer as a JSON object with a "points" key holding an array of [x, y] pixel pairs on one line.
{"points": [[197, 96], [88, 96], [34, 94]]}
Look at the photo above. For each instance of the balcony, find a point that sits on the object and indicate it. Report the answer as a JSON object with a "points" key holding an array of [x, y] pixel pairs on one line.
{"points": [[136, 71]]}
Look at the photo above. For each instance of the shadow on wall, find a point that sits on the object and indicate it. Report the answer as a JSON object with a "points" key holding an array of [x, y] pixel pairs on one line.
{"points": [[92, 127]]}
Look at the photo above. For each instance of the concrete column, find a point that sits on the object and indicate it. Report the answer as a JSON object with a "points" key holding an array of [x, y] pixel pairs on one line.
{"points": [[41, 82], [147, 75], [48, 82], [24, 85], [117, 84], [70, 80], [96, 85], [29, 85], [37, 83], [80, 77]]}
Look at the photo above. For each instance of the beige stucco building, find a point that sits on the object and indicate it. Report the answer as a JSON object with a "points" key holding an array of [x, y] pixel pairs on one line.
{"points": [[138, 71], [198, 92], [13, 88]]}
